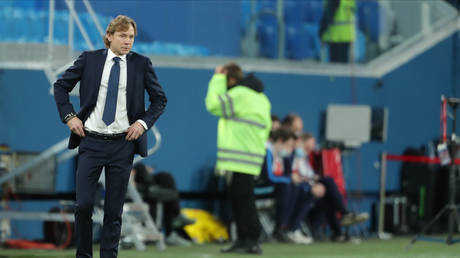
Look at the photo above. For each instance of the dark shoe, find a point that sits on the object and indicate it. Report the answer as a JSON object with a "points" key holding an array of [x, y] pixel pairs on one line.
{"points": [[254, 249], [354, 218], [237, 247], [281, 236], [181, 221]]}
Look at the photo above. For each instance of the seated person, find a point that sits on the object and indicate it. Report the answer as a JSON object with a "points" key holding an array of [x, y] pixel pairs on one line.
{"points": [[292, 200], [276, 123], [332, 201], [294, 123], [161, 186]]}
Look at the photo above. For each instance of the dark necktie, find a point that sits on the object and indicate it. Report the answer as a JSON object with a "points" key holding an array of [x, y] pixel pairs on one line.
{"points": [[112, 93]]}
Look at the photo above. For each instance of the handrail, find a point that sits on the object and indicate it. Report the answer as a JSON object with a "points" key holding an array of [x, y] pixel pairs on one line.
{"points": [[53, 150], [93, 16], [74, 15]]}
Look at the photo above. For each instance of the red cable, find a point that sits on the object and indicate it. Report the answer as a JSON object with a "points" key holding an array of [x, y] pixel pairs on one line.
{"points": [[418, 159]]}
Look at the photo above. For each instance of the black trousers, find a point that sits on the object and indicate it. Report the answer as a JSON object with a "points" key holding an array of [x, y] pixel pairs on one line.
{"points": [[328, 206], [293, 202], [244, 207], [339, 52], [117, 158], [171, 209]]}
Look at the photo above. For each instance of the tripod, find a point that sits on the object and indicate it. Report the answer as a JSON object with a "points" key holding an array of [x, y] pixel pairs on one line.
{"points": [[450, 208]]}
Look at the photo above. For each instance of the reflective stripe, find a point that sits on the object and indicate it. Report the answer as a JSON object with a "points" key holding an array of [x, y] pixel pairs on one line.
{"points": [[222, 103], [244, 153], [230, 103], [342, 23], [241, 161], [240, 120]]}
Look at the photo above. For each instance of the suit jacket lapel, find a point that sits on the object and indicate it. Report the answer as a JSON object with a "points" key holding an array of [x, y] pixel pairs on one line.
{"points": [[100, 69], [129, 81]]}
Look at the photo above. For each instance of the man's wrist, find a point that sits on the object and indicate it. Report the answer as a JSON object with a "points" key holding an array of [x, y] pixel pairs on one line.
{"points": [[69, 116], [143, 124]]}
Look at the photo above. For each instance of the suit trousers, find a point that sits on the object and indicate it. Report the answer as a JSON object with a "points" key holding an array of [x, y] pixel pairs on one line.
{"points": [[329, 205], [116, 156], [244, 207]]}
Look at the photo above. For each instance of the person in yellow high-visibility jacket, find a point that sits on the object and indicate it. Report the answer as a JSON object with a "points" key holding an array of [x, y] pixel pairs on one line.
{"points": [[243, 129], [337, 28]]}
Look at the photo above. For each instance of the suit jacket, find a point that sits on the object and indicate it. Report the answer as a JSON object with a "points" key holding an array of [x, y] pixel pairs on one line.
{"points": [[88, 70]]}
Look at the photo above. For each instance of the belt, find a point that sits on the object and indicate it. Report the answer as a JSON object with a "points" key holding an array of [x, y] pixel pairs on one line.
{"points": [[106, 137]]}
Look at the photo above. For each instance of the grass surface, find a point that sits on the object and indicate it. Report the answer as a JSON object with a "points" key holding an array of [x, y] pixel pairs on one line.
{"points": [[395, 247]]}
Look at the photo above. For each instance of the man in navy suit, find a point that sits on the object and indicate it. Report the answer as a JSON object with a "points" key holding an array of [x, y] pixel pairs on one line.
{"points": [[109, 128]]}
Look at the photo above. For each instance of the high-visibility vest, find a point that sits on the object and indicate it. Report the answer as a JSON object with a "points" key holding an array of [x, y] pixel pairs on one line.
{"points": [[243, 127], [342, 29]]}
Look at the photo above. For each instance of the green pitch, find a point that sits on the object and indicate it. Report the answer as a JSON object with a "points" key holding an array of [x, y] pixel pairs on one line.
{"points": [[393, 248]]}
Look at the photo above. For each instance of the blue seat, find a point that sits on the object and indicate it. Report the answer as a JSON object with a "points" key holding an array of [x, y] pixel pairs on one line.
{"points": [[315, 42], [266, 5], [268, 36], [360, 46], [60, 33], [369, 18], [19, 25], [294, 12], [313, 11], [297, 45]]}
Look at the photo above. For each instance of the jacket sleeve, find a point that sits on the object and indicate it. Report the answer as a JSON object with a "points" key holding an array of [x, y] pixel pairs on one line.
{"points": [[65, 84], [269, 169], [157, 96], [216, 98]]}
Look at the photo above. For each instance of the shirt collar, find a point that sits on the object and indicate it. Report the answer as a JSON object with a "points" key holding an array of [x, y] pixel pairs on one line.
{"points": [[111, 55]]}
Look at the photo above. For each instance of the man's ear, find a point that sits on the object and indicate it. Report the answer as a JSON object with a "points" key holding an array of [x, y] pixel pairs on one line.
{"points": [[109, 37], [231, 81]]}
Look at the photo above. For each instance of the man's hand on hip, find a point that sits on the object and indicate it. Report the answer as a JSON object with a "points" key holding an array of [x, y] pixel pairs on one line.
{"points": [[76, 126], [134, 131]]}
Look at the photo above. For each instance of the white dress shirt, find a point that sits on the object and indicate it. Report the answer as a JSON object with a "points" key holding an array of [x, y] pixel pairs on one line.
{"points": [[121, 124]]}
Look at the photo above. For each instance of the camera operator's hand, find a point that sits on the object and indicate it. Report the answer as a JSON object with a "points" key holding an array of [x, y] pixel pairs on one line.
{"points": [[220, 70]]}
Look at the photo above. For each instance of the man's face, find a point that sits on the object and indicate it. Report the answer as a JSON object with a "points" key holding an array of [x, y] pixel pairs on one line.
{"points": [[121, 42], [275, 125], [310, 145], [297, 126]]}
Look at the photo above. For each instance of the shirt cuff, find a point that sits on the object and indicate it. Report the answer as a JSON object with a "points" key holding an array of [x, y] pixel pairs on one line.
{"points": [[143, 124]]}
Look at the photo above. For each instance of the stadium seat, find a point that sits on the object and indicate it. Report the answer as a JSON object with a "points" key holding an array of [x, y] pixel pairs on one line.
{"points": [[360, 47], [313, 11], [298, 45], [294, 12], [268, 36], [315, 42], [369, 18]]}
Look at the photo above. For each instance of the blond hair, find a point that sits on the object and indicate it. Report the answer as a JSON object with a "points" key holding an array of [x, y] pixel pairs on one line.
{"points": [[120, 23]]}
